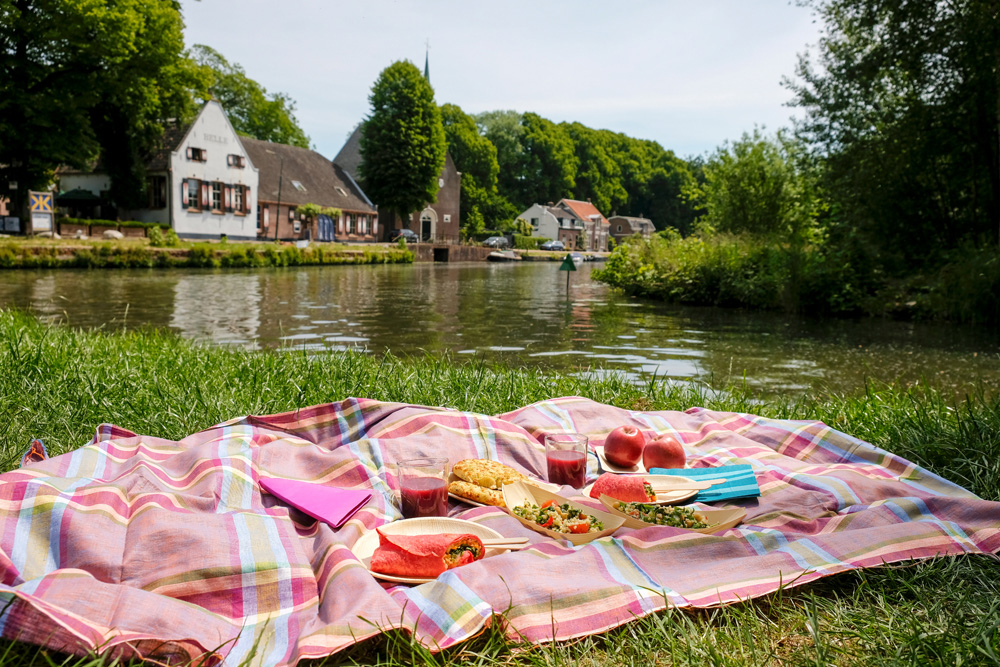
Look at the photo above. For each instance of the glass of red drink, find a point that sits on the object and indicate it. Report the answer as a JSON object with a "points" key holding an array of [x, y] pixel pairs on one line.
{"points": [[423, 487], [566, 458]]}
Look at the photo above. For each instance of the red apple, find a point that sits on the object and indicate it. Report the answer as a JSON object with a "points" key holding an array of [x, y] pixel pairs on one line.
{"points": [[623, 446], [664, 452]]}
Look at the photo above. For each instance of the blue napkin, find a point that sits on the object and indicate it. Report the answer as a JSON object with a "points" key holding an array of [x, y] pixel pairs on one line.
{"points": [[740, 481]]}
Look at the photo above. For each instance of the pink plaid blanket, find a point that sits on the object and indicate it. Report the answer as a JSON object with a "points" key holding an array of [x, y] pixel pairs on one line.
{"points": [[150, 547]]}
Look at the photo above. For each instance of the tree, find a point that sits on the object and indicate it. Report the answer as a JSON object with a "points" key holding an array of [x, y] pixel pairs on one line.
{"points": [[902, 104], [251, 110], [76, 76], [402, 142], [753, 186], [504, 130], [549, 162], [599, 175], [476, 157]]}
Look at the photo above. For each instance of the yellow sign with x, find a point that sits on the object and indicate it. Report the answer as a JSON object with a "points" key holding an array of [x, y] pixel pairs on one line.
{"points": [[41, 202]]}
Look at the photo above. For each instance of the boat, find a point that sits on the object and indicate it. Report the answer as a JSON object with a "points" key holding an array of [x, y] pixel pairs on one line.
{"points": [[503, 256]]}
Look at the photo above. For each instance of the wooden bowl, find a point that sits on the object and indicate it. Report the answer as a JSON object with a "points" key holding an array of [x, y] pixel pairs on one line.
{"points": [[718, 520], [519, 493]]}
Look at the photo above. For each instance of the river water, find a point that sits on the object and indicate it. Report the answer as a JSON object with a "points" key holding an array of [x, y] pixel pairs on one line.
{"points": [[521, 314]]}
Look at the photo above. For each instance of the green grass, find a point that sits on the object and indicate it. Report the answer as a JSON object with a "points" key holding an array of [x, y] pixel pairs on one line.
{"points": [[138, 253], [59, 384]]}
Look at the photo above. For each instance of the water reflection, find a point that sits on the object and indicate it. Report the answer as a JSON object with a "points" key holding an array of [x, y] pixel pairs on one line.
{"points": [[522, 315], [224, 310]]}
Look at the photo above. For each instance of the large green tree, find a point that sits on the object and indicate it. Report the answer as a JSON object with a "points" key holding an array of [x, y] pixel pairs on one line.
{"points": [[753, 185], [403, 143], [548, 162], [251, 109], [902, 101], [504, 130], [476, 157], [83, 77]]}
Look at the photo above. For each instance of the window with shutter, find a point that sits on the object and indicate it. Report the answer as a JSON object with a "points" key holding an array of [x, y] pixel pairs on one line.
{"points": [[237, 200], [216, 197]]}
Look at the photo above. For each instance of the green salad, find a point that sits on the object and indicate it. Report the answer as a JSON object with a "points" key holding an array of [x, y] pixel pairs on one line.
{"points": [[561, 518], [661, 515]]}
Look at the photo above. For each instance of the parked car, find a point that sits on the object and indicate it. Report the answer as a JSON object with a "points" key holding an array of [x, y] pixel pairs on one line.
{"points": [[496, 242], [408, 234], [552, 245]]}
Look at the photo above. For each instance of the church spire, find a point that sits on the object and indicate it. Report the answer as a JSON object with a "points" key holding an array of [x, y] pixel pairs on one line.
{"points": [[427, 62]]}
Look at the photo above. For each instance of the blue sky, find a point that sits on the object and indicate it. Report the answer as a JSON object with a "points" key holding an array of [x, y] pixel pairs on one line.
{"points": [[688, 75]]}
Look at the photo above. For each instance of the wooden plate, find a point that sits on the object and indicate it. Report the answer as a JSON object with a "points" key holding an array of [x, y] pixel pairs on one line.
{"points": [[718, 520], [366, 545], [535, 482], [607, 466], [663, 496], [518, 493]]}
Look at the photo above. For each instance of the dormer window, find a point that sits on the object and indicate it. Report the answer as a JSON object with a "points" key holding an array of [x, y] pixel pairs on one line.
{"points": [[197, 154], [236, 161]]}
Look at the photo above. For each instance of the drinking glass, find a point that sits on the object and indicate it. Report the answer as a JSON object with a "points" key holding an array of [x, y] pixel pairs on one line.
{"points": [[423, 487], [566, 458]]}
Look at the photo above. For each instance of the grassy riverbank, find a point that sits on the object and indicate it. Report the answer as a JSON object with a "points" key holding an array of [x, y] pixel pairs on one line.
{"points": [[139, 254], [749, 271], [59, 384]]}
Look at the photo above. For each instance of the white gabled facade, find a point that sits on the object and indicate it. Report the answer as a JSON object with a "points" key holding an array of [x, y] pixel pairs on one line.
{"points": [[543, 223], [212, 183]]}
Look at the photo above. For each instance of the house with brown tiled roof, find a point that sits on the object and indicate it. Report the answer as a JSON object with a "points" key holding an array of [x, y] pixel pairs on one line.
{"points": [[438, 221], [200, 182], [623, 226], [555, 223], [292, 176], [595, 224]]}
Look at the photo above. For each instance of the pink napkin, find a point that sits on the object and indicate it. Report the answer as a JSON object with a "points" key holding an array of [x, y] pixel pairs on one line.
{"points": [[326, 503]]}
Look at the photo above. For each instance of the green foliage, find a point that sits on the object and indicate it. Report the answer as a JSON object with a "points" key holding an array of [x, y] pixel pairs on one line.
{"points": [[475, 157], [549, 162], [522, 242], [80, 78], [403, 142], [901, 104], [753, 186], [251, 110], [156, 239], [726, 270]]}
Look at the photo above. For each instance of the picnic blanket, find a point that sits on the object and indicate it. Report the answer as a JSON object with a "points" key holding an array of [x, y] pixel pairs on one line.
{"points": [[150, 547]]}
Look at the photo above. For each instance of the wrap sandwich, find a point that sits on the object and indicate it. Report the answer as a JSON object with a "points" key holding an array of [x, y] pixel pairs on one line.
{"points": [[629, 488], [424, 555]]}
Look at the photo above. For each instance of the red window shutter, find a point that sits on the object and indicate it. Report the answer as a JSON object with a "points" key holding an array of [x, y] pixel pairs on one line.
{"points": [[204, 195], [184, 193], [227, 193], [246, 199], [189, 152]]}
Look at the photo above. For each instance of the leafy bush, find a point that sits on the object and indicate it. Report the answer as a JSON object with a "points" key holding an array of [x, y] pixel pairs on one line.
{"points": [[155, 237], [528, 242]]}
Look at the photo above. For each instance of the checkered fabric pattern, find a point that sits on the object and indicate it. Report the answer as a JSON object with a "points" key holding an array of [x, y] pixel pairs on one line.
{"points": [[169, 550]]}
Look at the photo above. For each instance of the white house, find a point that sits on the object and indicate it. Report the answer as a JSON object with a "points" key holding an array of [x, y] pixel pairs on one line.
{"points": [[201, 182], [554, 222]]}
